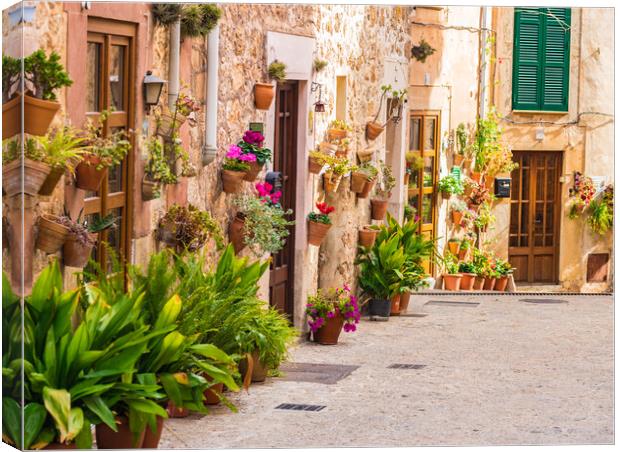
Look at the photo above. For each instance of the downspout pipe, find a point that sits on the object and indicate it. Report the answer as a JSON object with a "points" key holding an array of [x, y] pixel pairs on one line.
{"points": [[173, 63], [209, 149], [483, 62]]}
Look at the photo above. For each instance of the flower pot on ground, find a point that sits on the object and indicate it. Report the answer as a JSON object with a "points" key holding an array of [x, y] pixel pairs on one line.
{"points": [[451, 275], [258, 368], [502, 269], [236, 232], [212, 394], [373, 130], [329, 311], [501, 283], [395, 305], [329, 333], [263, 95], [454, 245], [404, 301], [378, 208], [34, 175], [175, 411], [489, 283], [367, 236], [452, 281], [468, 270], [479, 283], [122, 439], [60, 446], [151, 438], [52, 235], [379, 309]]}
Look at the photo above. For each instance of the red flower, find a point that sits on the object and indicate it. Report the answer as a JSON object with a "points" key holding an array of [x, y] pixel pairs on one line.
{"points": [[324, 208]]}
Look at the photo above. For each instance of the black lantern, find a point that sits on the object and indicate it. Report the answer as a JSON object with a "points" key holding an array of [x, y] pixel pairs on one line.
{"points": [[319, 105], [152, 90]]}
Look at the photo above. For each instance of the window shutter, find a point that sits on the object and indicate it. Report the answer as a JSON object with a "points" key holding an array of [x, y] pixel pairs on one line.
{"points": [[556, 64], [526, 67]]}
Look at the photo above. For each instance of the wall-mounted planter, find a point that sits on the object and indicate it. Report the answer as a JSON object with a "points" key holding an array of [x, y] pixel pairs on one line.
{"points": [[236, 233], [365, 155], [358, 181], [378, 208], [314, 166], [38, 115], [336, 134], [49, 185], [457, 215], [328, 148], [252, 173], [263, 95], [367, 236], [317, 232], [87, 176], [11, 118], [373, 130], [232, 180], [458, 159], [331, 182], [75, 253], [406, 179], [52, 235], [454, 246], [368, 186], [34, 174], [169, 123], [150, 189], [463, 253]]}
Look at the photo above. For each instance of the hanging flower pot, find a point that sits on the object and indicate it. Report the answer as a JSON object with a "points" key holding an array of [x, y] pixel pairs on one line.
{"points": [[406, 178], [34, 174], [151, 438], [378, 208], [328, 148], [368, 186], [122, 439], [150, 189], [232, 180], [365, 155], [454, 246], [252, 173], [458, 159], [51, 181], [314, 165], [367, 236], [395, 305], [38, 115], [452, 282], [404, 301], [489, 283], [76, 253], [501, 283], [317, 232], [463, 253], [477, 177], [467, 281], [331, 182], [236, 233], [358, 181], [11, 118], [212, 394], [336, 134], [87, 176], [52, 235], [479, 283], [456, 217], [329, 333], [373, 130], [169, 123], [263, 95]]}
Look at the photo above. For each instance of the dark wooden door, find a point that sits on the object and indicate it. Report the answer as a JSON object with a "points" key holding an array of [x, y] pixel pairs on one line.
{"points": [[281, 287], [535, 216]]}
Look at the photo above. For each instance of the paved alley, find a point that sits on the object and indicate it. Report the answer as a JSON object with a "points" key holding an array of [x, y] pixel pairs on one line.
{"points": [[501, 372]]}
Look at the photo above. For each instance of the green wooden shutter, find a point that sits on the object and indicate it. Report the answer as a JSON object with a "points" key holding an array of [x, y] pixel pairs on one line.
{"points": [[541, 59]]}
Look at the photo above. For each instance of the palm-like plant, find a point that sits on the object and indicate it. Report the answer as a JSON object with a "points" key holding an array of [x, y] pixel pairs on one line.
{"points": [[381, 268]]}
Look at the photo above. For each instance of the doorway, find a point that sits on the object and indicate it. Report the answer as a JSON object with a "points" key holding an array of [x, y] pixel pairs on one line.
{"points": [[535, 216], [281, 276]]}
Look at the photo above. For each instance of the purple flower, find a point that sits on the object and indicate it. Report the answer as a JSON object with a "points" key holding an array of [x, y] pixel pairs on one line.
{"points": [[253, 137], [331, 314]]}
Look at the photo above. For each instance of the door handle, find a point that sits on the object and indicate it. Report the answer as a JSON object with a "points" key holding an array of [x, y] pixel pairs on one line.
{"points": [[538, 219]]}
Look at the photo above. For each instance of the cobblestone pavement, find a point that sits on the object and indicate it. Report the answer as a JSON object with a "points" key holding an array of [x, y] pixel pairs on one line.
{"points": [[503, 372]]}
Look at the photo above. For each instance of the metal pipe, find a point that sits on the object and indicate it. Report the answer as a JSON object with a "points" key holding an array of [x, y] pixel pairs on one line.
{"points": [[483, 62], [213, 58], [173, 63]]}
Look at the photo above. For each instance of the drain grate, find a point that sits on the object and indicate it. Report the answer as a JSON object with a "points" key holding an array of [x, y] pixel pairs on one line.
{"points": [[466, 304], [316, 373], [543, 300], [406, 366], [299, 407]]}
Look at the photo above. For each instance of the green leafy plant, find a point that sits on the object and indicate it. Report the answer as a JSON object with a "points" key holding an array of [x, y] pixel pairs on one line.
{"points": [[319, 64], [157, 167], [467, 267], [166, 14], [462, 138], [369, 170], [600, 216], [449, 264], [340, 125], [422, 51], [386, 183], [235, 165], [11, 75], [451, 185], [322, 216], [63, 147], [381, 267], [46, 74], [12, 150], [502, 267], [338, 166], [277, 70], [110, 148], [191, 227], [82, 229], [199, 19], [484, 217]]}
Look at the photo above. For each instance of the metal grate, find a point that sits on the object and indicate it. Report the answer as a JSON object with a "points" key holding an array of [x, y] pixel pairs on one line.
{"points": [[299, 407], [406, 366], [468, 304], [543, 300]]}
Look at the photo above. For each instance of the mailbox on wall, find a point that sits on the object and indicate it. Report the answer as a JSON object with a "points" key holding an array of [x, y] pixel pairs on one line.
{"points": [[502, 187]]}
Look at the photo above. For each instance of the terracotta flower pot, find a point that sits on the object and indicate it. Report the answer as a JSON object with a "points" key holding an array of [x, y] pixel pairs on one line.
{"points": [[259, 371], [150, 189], [317, 232], [328, 148], [11, 118], [452, 282], [263, 95], [51, 181], [175, 411], [151, 438], [477, 177], [122, 439], [358, 181], [314, 166], [367, 189], [467, 281], [52, 235], [367, 237], [395, 305], [489, 283], [76, 254], [329, 333], [378, 208], [458, 159], [336, 134], [373, 130], [169, 124], [236, 233], [252, 173], [232, 180], [454, 247], [38, 115], [365, 155], [87, 176], [479, 283], [341, 153], [211, 394], [404, 301], [406, 178], [463, 253], [331, 182], [34, 173], [456, 217], [501, 283]]}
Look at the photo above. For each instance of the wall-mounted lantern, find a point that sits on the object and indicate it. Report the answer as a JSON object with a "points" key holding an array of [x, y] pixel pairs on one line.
{"points": [[319, 105], [153, 86]]}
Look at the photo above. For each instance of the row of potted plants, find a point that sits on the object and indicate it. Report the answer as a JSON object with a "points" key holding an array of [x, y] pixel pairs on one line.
{"points": [[483, 272]]}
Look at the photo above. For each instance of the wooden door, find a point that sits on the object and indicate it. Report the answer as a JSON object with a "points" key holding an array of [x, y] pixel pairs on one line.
{"points": [[281, 287], [424, 144], [110, 84], [535, 216]]}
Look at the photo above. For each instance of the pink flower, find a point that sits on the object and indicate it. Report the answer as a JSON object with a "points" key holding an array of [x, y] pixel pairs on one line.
{"points": [[264, 189], [234, 152], [275, 197], [247, 157], [253, 137]]}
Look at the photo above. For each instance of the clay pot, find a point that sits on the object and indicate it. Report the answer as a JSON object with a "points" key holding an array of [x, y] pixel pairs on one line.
{"points": [[456, 217], [501, 283], [395, 305], [150, 190], [367, 189], [463, 253], [479, 283], [122, 439], [489, 283], [232, 180], [317, 232], [328, 148], [211, 394], [452, 282], [340, 153], [87, 176], [406, 178], [52, 235], [477, 177], [60, 446], [252, 173], [378, 208], [330, 331], [34, 173], [367, 237], [336, 134], [331, 182], [365, 155], [467, 281], [51, 181], [38, 115], [74, 253], [458, 159], [358, 181], [151, 438], [175, 411], [404, 301], [12, 117], [263, 95], [373, 130], [454, 247], [259, 371], [314, 166], [167, 234], [170, 123], [236, 233]]}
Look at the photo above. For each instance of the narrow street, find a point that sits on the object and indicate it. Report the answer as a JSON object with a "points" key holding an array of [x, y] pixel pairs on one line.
{"points": [[501, 372]]}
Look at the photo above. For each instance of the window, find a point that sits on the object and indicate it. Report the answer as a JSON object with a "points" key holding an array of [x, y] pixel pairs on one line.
{"points": [[541, 59], [341, 97]]}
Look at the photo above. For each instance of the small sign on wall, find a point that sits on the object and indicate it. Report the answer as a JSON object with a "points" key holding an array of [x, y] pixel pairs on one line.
{"points": [[257, 127]]}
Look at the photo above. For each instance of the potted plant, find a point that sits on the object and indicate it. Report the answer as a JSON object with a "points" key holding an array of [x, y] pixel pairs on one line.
{"points": [[33, 166], [600, 212], [252, 143], [157, 171], [468, 278], [319, 223], [234, 168], [82, 237], [379, 203], [484, 217], [188, 228], [365, 154], [105, 151], [451, 275], [329, 311], [502, 269], [454, 245], [365, 173], [395, 105], [478, 194], [316, 161], [461, 139], [422, 51], [265, 92], [481, 262], [264, 226], [44, 76], [464, 249], [336, 168], [367, 235], [169, 122], [458, 206], [450, 185], [338, 129], [52, 233]]}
